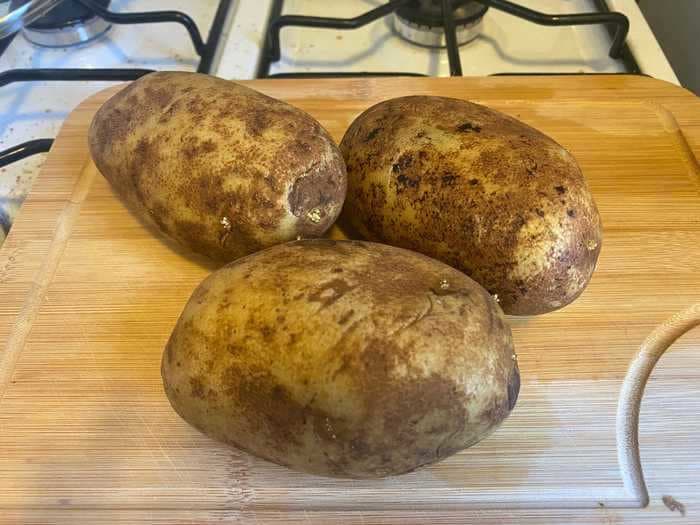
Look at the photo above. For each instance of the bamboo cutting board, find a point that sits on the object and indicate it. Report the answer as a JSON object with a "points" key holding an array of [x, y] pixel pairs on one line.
{"points": [[89, 297]]}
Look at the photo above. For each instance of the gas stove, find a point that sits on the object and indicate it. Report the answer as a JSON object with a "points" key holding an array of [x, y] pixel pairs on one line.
{"points": [[66, 50], [65, 55], [66, 24], [484, 37]]}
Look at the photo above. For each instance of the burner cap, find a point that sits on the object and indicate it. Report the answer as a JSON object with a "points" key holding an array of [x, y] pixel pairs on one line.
{"points": [[428, 13], [69, 23], [420, 22]]}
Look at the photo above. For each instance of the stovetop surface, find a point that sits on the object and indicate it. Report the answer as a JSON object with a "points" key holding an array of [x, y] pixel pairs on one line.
{"points": [[507, 44]]}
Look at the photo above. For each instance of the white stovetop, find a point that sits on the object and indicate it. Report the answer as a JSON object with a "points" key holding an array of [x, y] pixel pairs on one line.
{"points": [[37, 110], [506, 45]]}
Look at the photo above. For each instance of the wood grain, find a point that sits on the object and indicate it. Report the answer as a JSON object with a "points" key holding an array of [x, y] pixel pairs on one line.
{"points": [[90, 296]]}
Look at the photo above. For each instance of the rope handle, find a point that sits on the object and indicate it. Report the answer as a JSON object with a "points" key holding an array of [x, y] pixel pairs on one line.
{"points": [[628, 407]]}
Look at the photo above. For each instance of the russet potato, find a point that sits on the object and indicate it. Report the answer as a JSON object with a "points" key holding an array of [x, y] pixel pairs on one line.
{"points": [[342, 358], [478, 190], [216, 166]]}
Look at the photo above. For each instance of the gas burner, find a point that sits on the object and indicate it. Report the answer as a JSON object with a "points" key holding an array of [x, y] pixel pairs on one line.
{"points": [[68, 24], [420, 22]]}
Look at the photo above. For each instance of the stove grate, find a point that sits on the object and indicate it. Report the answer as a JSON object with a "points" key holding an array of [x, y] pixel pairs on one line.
{"points": [[272, 52], [205, 50]]}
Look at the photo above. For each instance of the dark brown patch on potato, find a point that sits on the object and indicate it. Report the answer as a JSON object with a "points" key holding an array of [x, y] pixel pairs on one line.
{"points": [[468, 126], [145, 153], [390, 401], [372, 134], [196, 387], [403, 162], [266, 404], [256, 123], [159, 96], [346, 316], [101, 132], [235, 348], [449, 180], [192, 147], [267, 332], [314, 191], [269, 405]]}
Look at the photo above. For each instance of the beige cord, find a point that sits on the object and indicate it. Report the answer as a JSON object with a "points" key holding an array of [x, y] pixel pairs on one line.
{"points": [[632, 391]]}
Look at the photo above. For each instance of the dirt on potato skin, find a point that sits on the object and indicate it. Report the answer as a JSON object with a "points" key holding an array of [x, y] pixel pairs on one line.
{"points": [[342, 358], [216, 166], [478, 190]]}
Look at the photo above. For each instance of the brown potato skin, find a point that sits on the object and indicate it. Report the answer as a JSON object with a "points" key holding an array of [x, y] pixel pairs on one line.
{"points": [[216, 166], [342, 358], [478, 190]]}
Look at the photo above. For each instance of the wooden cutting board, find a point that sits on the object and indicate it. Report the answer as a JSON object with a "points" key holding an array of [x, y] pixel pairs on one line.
{"points": [[89, 297]]}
